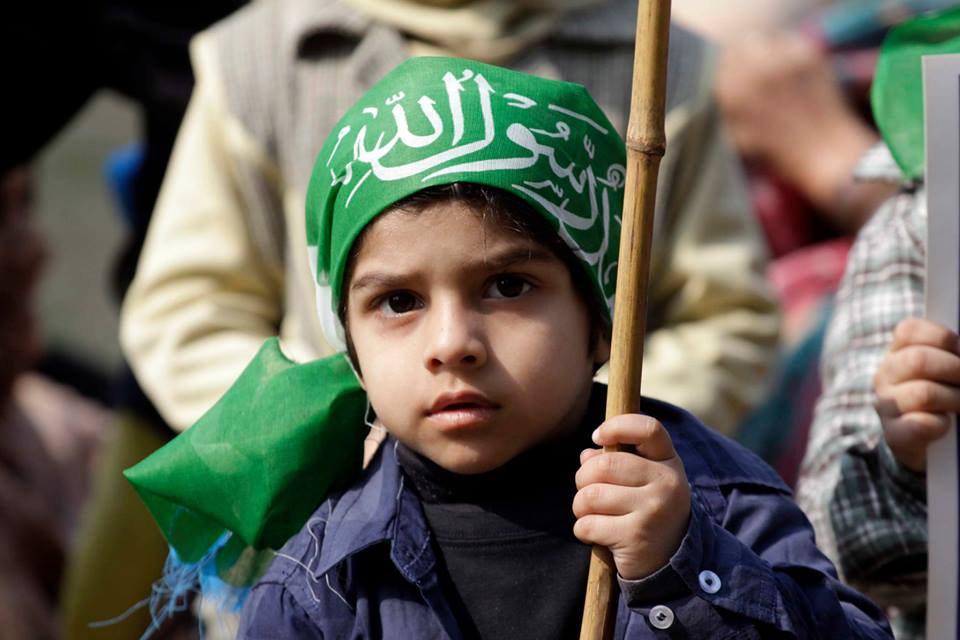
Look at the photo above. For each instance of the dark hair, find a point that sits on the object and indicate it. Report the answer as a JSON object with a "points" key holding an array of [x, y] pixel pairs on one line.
{"points": [[506, 211]]}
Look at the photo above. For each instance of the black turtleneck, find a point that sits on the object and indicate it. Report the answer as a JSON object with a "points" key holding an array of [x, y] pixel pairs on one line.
{"points": [[505, 538]]}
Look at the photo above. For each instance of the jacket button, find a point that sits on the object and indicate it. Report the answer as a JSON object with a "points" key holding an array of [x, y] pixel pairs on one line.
{"points": [[661, 617], [710, 582]]}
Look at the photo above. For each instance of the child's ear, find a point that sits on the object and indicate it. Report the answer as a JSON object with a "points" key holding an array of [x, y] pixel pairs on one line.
{"points": [[601, 352]]}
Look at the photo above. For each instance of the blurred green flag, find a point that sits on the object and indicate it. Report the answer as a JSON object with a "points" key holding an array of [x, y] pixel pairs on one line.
{"points": [[262, 459], [897, 93]]}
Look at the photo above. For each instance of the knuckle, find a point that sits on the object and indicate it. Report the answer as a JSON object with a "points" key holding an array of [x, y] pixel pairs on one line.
{"points": [[879, 378], [584, 528], [608, 465], [650, 426], [592, 495], [580, 507], [654, 505], [916, 361], [580, 479], [924, 394], [929, 426], [671, 484], [907, 328]]}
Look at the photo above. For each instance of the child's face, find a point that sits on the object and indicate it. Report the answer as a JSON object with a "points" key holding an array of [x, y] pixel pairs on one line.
{"points": [[472, 343]]}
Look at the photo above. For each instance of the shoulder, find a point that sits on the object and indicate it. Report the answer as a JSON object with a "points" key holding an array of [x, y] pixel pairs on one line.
{"points": [[896, 233], [710, 459], [296, 562], [256, 57], [292, 595], [883, 283]]}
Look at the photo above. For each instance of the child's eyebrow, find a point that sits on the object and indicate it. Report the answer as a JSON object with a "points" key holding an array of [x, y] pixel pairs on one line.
{"points": [[378, 279], [513, 256], [495, 262]]}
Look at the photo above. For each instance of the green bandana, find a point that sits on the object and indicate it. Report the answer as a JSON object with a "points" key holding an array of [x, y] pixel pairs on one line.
{"points": [[897, 92], [435, 121], [254, 468]]}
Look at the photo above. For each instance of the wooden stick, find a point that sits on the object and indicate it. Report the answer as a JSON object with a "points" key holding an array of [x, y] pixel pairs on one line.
{"points": [[646, 143]]}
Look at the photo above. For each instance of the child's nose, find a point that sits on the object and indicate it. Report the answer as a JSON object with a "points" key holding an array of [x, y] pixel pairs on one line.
{"points": [[455, 338]]}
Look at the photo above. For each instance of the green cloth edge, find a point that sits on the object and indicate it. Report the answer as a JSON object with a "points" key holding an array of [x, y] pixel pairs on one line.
{"points": [[229, 472], [897, 93]]}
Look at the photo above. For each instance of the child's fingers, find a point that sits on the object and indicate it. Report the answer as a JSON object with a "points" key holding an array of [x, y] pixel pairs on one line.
{"points": [[918, 429], [918, 331], [908, 436], [643, 432], [606, 499], [586, 454], [604, 530], [620, 468], [917, 396], [919, 362]]}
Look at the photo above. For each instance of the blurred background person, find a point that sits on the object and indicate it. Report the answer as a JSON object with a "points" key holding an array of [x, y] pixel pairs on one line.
{"points": [[224, 265], [222, 269], [793, 84], [726, 22], [49, 435], [891, 379], [55, 64]]}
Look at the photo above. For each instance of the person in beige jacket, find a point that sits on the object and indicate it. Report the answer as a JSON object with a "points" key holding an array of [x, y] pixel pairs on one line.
{"points": [[225, 266]]}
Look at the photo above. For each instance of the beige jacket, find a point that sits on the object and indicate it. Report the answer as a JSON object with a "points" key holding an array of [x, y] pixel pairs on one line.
{"points": [[225, 265]]}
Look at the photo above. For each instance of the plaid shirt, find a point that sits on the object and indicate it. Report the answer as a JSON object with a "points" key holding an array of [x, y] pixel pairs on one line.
{"points": [[868, 511]]}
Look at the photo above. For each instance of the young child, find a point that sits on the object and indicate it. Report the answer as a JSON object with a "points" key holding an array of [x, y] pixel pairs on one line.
{"points": [[464, 220]]}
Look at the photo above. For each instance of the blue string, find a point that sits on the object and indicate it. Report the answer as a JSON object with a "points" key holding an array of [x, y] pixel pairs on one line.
{"points": [[180, 582]]}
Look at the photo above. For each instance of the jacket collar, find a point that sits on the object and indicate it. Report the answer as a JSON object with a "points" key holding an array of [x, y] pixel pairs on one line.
{"points": [[378, 509]]}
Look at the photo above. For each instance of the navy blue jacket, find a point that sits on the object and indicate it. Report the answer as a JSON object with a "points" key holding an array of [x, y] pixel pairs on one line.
{"points": [[364, 566]]}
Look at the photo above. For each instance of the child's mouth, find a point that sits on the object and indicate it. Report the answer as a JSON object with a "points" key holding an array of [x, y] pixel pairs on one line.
{"points": [[458, 411]]}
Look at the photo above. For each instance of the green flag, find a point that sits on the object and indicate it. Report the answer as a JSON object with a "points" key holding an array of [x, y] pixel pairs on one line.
{"points": [[897, 92], [262, 459]]}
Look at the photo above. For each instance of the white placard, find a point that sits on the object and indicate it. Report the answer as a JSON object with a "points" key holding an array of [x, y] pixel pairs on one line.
{"points": [[941, 81]]}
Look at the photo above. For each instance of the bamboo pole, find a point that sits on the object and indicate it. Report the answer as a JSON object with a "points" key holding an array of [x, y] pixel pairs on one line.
{"points": [[646, 143]]}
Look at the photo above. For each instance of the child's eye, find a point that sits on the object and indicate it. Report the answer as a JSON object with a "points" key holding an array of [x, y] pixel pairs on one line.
{"points": [[508, 287], [398, 303]]}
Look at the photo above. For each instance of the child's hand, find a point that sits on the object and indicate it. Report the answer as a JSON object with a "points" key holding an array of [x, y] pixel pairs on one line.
{"points": [[918, 387], [637, 504]]}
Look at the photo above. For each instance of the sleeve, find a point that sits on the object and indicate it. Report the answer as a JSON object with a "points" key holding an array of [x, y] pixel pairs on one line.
{"points": [[868, 512], [205, 295], [271, 611], [713, 321], [756, 574]]}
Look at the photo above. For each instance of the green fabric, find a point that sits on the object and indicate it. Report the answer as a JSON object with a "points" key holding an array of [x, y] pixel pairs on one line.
{"points": [[897, 92], [435, 121], [262, 459]]}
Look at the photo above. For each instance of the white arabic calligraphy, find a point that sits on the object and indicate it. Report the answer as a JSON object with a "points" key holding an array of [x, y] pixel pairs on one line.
{"points": [[340, 136], [548, 184], [374, 156], [454, 88], [459, 156], [578, 116], [563, 131], [517, 100]]}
